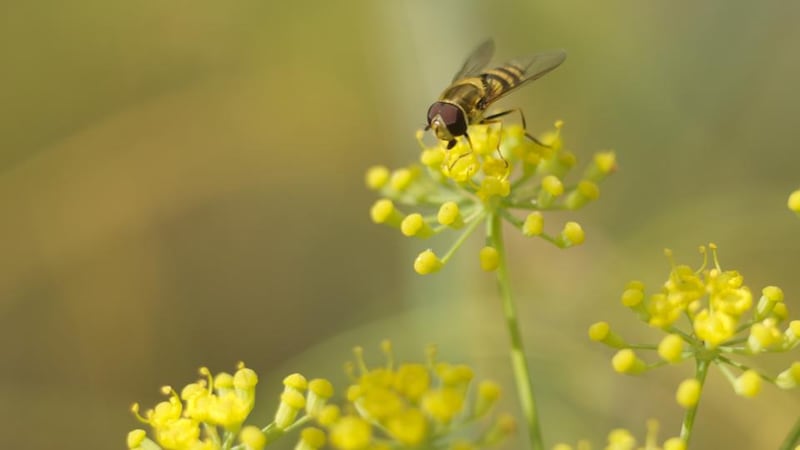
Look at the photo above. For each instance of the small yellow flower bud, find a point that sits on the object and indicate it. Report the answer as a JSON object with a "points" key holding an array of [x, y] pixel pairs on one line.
{"points": [[415, 225], [245, 378], [450, 215], [675, 443], [319, 391], [454, 375], [748, 384], [136, 437], [773, 293], [606, 162], [601, 332], [490, 259], [291, 403], [223, 381], [688, 393], [764, 335], [311, 439], [792, 334], [632, 297], [670, 348], [552, 185], [584, 193], [427, 263], [789, 378], [252, 438], [351, 433], [794, 201], [488, 393], [377, 177], [625, 361], [295, 381], [534, 224], [572, 234], [401, 179], [383, 211]]}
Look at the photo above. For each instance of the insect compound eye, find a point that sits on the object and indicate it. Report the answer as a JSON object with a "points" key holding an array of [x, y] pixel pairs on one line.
{"points": [[451, 115]]}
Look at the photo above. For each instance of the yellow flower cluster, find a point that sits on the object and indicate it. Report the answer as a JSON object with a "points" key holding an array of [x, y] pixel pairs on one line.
{"points": [[495, 172], [622, 439], [205, 415], [413, 405], [401, 406], [722, 320]]}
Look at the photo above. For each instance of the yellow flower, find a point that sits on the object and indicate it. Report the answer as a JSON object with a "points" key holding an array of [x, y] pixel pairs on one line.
{"points": [[495, 173], [722, 323]]}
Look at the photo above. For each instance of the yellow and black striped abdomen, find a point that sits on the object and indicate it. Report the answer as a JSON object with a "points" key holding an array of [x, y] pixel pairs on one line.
{"points": [[500, 81]]}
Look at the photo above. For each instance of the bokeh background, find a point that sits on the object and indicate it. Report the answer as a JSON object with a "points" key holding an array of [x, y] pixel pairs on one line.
{"points": [[181, 184]]}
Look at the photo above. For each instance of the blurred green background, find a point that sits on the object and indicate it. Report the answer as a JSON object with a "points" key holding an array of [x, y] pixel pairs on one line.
{"points": [[181, 184]]}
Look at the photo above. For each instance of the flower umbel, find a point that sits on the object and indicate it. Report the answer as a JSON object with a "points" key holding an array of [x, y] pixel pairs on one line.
{"points": [[415, 405], [495, 173], [206, 414], [709, 316]]}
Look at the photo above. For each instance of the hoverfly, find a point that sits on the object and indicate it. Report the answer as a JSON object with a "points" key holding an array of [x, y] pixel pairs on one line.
{"points": [[474, 89]]}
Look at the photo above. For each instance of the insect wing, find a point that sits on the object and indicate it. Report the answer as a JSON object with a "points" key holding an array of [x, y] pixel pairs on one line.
{"points": [[525, 69], [476, 61]]}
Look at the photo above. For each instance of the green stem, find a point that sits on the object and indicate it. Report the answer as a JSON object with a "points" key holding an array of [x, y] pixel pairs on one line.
{"points": [[701, 371], [793, 438], [519, 364]]}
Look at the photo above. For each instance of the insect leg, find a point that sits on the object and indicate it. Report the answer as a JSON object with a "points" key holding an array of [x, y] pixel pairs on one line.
{"points": [[492, 120], [469, 141], [493, 117]]}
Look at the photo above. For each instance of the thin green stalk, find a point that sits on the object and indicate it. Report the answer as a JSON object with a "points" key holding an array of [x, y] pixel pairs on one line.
{"points": [[519, 364], [793, 438], [701, 371]]}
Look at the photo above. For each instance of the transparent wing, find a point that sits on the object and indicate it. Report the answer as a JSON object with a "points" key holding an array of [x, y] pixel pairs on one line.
{"points": [[527, 68], [476, 60]]}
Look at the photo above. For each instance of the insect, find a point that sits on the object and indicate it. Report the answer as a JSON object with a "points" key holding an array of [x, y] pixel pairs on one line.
{"points": [[474, 89]]}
